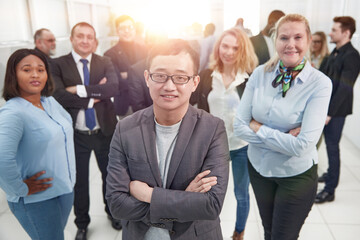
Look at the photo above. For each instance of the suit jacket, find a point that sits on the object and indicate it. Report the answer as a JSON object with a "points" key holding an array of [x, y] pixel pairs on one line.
{"points": [[201, 94], [201, 145], [342, 67], [65, 74], [261, 48], [123, 55], [139, 92]]}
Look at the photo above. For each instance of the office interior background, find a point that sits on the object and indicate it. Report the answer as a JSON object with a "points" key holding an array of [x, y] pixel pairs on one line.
{"points": [[19, 19]]}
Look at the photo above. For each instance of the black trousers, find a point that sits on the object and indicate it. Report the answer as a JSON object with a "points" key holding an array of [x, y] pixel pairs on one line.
{"points": [[84, 144], [284, 203], [332, 133]]}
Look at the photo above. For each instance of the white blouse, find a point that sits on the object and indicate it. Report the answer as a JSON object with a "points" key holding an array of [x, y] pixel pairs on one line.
{"points": [[223, 103]]}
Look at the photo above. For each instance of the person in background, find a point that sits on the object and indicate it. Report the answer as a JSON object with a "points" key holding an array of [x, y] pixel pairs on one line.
{"points": [[45, 42], [282, 114], [219, 93], [124, 54], [342, 67], [263, 42], [84, 84], [240, 24], [318, 49], [206, 46], [37, 163], [168, 168]]}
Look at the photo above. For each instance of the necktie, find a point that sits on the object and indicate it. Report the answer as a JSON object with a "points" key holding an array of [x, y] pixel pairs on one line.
{"points": [[89, 113]]}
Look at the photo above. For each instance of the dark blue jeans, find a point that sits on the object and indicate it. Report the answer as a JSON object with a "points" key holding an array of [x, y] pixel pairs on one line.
{"points": [[239, 161], [332, 134], [46, 219]]}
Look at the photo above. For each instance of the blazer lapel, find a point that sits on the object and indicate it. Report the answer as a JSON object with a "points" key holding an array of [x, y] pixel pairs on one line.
{"points": [[73, 68], [185, 133], [149, 138]]}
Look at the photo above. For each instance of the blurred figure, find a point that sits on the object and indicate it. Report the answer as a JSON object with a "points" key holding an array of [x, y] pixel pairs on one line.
{"points": [[85, 82], [45, 42], [139, 36], [37, 163], [206, 46], [240, 24], [263, 43], [342, 67], [318, 49], [124, 54], [219, 92], [282, 114]]}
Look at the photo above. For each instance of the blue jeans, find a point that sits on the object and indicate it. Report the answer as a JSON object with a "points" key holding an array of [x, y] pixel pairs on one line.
{"points": [[46, 219], [239, 160], [332, 133]]}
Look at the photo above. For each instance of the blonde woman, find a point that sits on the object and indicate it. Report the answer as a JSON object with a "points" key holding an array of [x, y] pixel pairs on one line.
{"points": [[318, 49], [219, 92], [282, 114]]}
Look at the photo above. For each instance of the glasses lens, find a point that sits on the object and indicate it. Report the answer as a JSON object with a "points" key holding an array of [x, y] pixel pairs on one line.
{"points": [[158, 77], [180, 79]]}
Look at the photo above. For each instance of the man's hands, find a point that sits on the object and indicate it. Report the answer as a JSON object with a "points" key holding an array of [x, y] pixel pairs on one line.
{"points": [[201, 183], [36, 185], [142, 192]]}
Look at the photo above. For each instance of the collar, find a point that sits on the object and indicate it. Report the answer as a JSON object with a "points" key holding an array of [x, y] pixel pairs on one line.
{"points": [[77, 57], [343, 48], [239, 77], [303, 76]]}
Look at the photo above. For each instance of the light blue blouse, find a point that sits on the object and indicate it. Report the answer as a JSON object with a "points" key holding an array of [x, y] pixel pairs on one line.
{"points": [[32, 140], [274, 152]]}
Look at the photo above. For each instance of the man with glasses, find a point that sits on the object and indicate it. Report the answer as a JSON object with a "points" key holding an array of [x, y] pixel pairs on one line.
{"points": [[45, 42], [124, 54], [168, 163]]}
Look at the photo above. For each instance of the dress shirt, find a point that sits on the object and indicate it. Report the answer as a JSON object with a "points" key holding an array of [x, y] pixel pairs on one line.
{"points": [[223, 103], [274, 152], [33, 140], [81, 92]]}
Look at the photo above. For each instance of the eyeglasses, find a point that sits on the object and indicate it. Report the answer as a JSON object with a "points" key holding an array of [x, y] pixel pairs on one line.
{"points": [[317, 41], [176, 79]]}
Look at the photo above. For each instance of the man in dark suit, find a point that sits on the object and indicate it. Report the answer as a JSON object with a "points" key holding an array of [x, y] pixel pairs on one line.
{"points": [[139, 92], [263, 44], [168, 164], [84, 84], [342, 67], [124, 54]]}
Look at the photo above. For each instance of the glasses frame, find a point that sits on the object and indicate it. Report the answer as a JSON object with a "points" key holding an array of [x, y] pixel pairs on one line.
{"points": [[171, 77]]}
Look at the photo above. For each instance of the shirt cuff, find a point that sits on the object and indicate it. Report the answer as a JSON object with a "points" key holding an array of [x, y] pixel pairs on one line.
{"points": [[91, 103], [81, 91]]}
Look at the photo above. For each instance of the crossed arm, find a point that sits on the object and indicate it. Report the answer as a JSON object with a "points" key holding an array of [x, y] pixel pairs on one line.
{"points": [[201, 200]]}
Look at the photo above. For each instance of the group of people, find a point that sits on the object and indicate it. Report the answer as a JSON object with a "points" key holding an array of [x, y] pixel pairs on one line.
{"points": [[260, 103]]}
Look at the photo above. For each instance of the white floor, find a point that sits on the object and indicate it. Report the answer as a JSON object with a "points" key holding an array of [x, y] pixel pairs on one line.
{"points": [[339, 220]]}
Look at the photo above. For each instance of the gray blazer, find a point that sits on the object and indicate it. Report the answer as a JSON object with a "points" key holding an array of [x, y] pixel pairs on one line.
{"points": [[201, 145]]}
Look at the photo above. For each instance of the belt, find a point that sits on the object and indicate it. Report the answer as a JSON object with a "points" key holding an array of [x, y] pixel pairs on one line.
{"points": [[89, 132]]}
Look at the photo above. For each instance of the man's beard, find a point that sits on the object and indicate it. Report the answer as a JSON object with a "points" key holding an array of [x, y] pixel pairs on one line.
{"points": [[52, 52]]}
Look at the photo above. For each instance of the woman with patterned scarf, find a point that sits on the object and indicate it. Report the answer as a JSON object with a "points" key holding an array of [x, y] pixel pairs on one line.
{"points": [[282, 114]]}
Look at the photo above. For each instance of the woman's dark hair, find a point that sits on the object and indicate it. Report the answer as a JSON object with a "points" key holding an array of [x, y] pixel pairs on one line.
{"points": [[11, 87]]}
